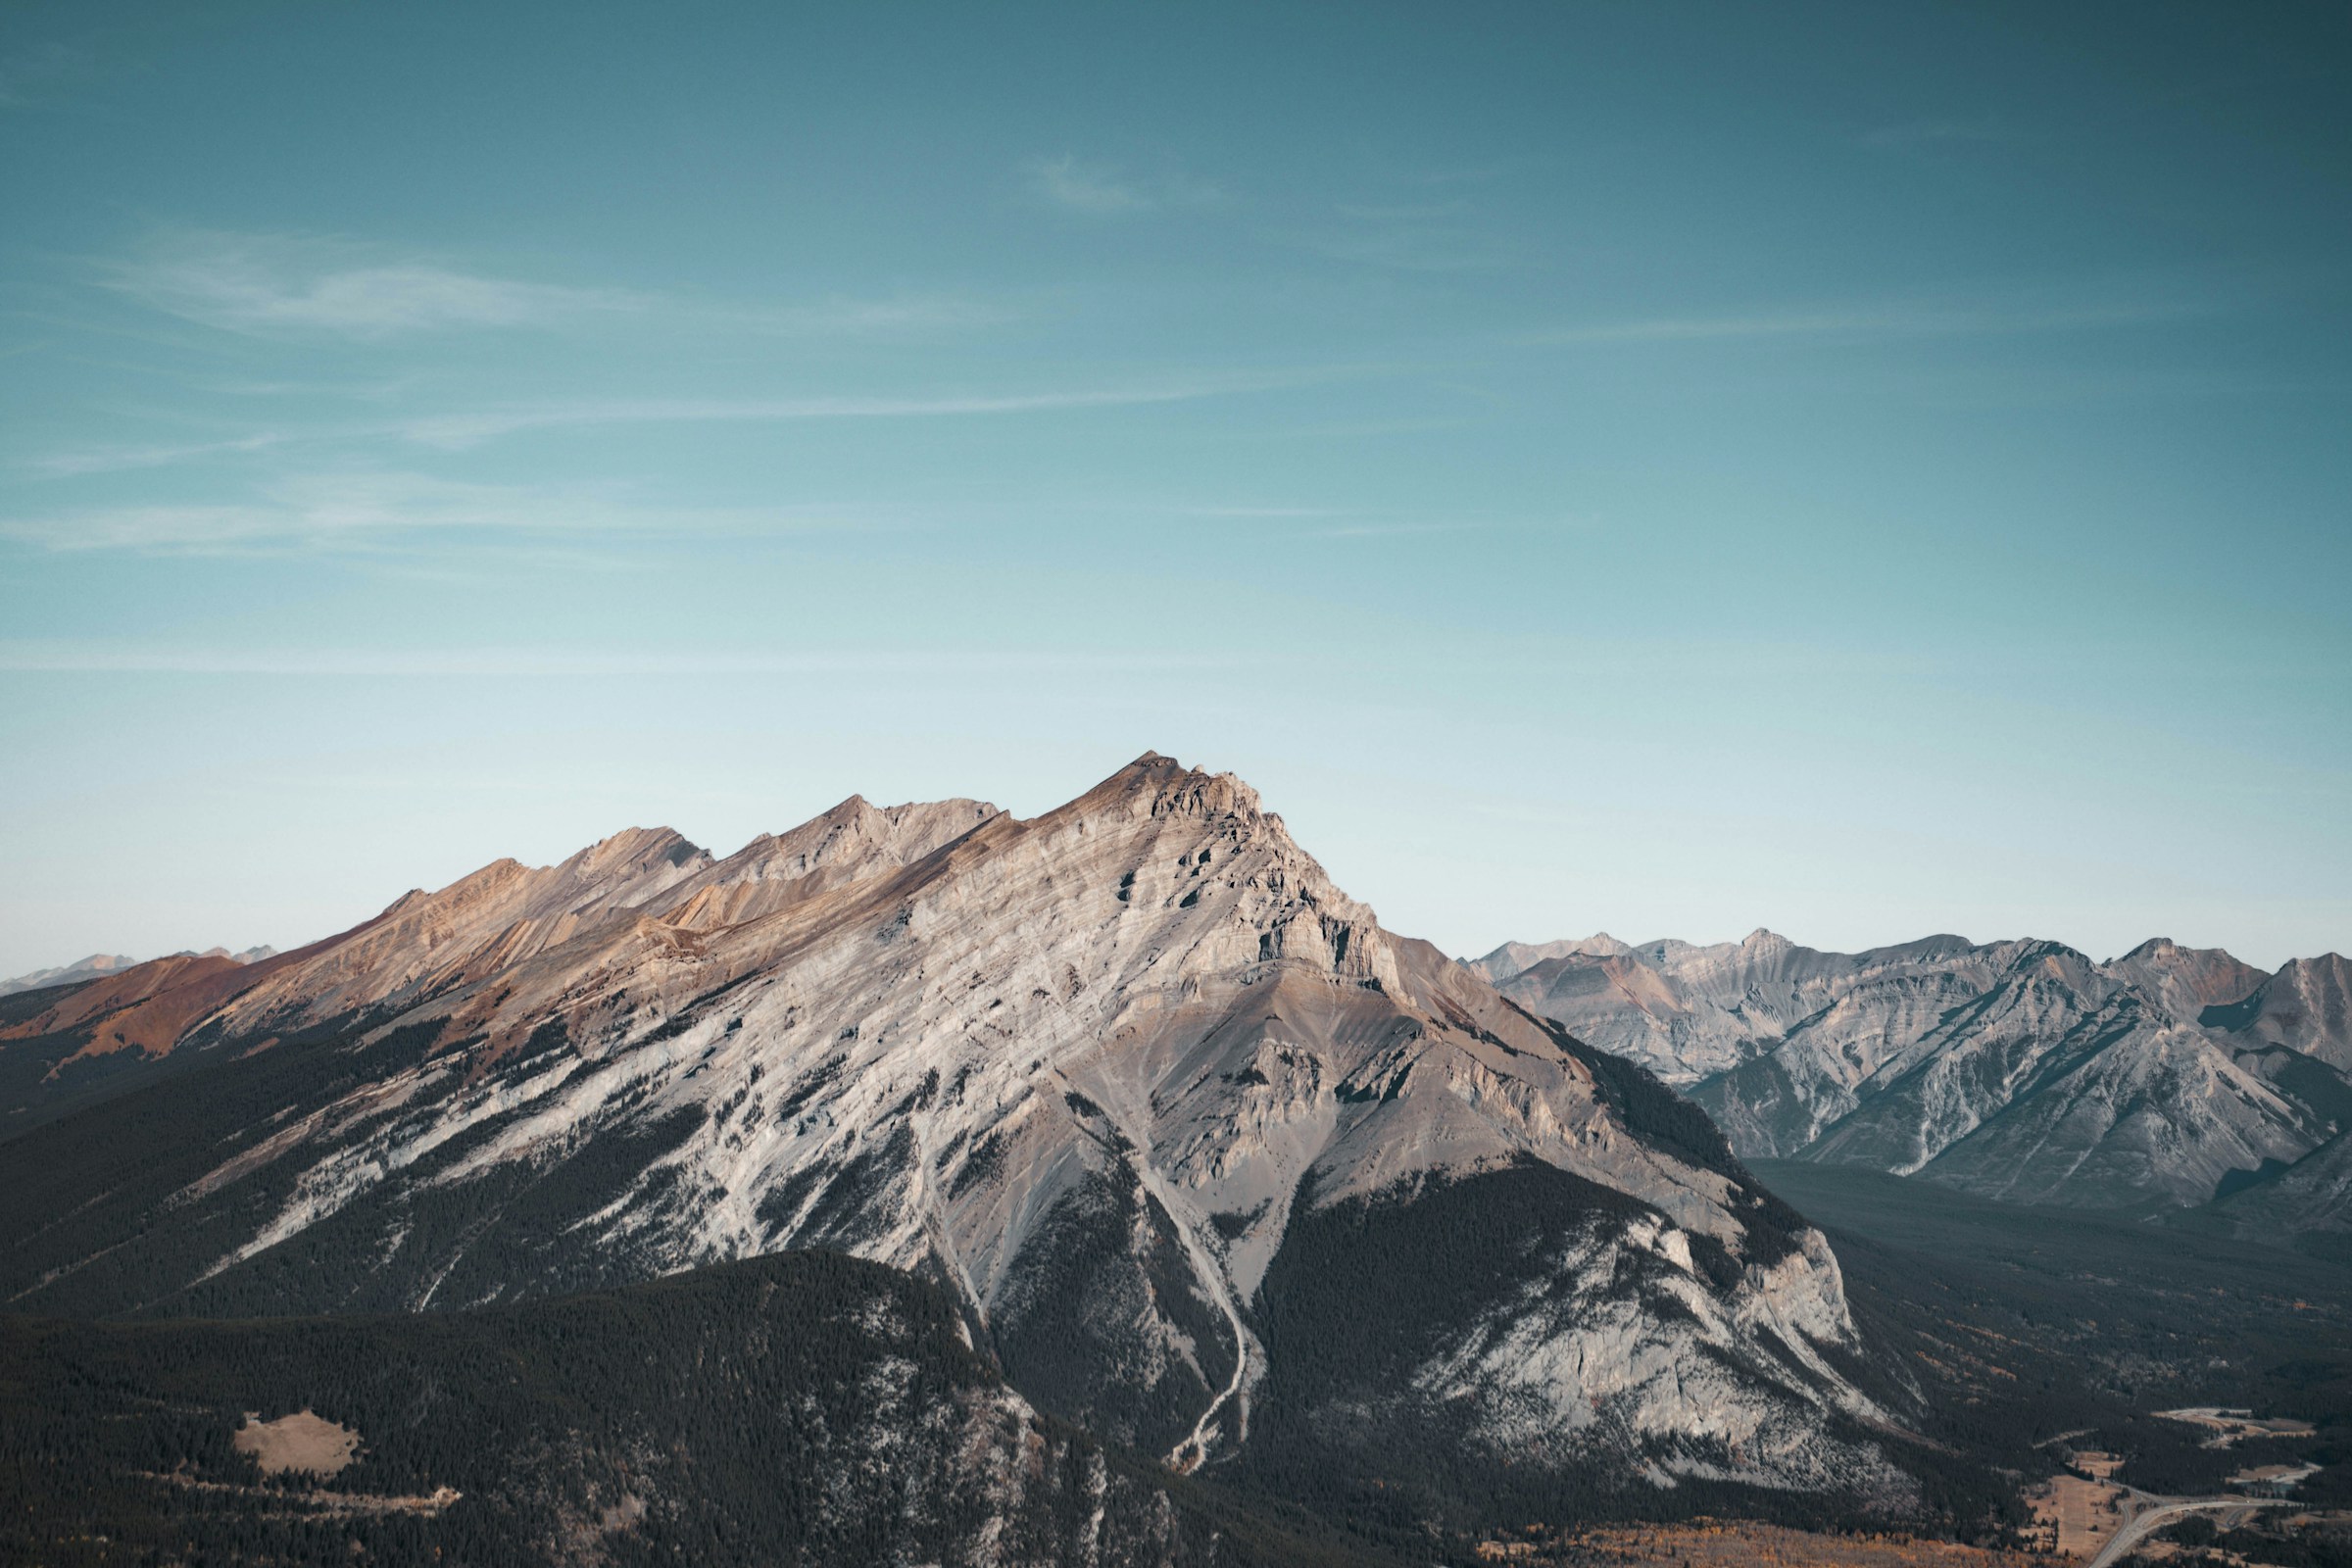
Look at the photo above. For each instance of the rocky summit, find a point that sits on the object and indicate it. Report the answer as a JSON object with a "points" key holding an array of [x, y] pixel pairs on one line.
{"points": [[1201, 1151]]}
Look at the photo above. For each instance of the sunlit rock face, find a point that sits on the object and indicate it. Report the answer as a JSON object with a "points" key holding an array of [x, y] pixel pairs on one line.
{"points": [[2020, 1070], [1116, 1075]]}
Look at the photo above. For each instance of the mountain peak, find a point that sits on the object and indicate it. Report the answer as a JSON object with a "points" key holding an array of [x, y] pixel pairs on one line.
{"points": [[1154, 785], [634, 850], [2186, 980], [2307, 1005]]}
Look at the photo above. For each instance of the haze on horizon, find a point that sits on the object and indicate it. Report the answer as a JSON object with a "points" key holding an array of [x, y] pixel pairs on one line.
{"points": [[1671, 469]]}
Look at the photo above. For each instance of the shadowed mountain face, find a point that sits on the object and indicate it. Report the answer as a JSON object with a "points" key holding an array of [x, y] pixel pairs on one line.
{"points": [[2018, 1071], [1131, 1081]]}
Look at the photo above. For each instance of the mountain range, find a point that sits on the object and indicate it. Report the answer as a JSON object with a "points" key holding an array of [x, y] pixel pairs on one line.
{"points": [[1208, 1161], [98, 964], [2171, 1078]]}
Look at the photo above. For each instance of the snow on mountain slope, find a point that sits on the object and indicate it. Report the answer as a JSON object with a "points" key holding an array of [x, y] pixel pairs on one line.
{"points": [[1092, 1070]]}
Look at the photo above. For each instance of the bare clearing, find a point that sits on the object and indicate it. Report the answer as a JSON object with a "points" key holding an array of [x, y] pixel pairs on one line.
{"points": [[2077, 1516], [304, 1440], [334, 1503]]}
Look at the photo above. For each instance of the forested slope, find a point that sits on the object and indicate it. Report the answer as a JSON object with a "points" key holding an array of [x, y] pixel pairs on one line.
{"points": [[808, 1409]]}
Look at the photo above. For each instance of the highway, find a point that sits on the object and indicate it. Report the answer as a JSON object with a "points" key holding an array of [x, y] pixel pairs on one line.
{"points": [[2167, 1509]]}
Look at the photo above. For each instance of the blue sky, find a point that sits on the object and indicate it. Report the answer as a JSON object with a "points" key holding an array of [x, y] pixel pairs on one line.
{"points": [[1864, 471]]}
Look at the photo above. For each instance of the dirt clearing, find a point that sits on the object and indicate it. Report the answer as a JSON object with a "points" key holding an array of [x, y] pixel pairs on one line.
{"points": [[304, 1441]]}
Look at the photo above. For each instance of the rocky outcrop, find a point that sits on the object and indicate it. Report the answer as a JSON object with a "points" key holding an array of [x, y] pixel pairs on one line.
{"points": [[1098, 1072]]}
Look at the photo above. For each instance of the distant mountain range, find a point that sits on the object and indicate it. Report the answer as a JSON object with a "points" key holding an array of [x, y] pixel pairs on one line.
{"points": [[98, 964], [1209, 1162], [2169, 1078]]}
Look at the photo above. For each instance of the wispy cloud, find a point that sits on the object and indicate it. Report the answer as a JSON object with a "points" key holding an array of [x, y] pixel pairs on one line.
{"points": [[1396, 530], [283, 283], [29, 657], [1254, 513], [1416, 247], [919, 313], [1332, 522], [1878, 320], [460, 430], [1106, 190], [469, 430], [298, 285], [370, 508], [117, 459]]}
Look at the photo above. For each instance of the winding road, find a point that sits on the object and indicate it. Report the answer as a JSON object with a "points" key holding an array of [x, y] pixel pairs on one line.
{"points": [[2167, 1509]]}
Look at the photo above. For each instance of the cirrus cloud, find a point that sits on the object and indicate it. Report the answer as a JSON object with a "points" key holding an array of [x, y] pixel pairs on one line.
{"points": [[265, 283], [297, 285], [1106, 190]]}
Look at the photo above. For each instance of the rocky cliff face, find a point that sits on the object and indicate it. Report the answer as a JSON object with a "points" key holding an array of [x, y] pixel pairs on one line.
{"points": [[1100, 1073], [2020, 1070]]}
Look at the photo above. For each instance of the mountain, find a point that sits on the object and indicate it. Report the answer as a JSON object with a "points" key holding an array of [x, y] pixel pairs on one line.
{"points": [[100, 964], [66, 974], [2305, 1007], [2309, 1201], [1513, 958], [2019, 1070], [1210, 1163], [65, 1045], [1687, 1013], [853, 1424]]}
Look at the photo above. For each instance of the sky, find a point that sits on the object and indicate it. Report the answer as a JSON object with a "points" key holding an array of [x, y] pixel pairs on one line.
{"points": [[1860, 471]]}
